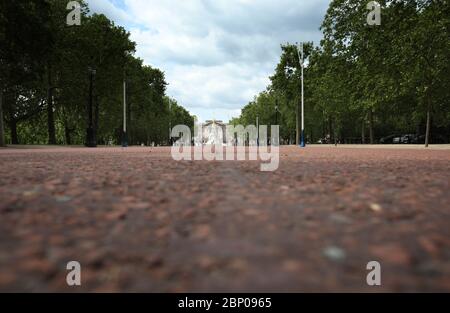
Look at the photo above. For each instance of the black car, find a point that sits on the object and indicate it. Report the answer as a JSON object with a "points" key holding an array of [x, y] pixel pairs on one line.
{"points": [[389, 140], [408, 139]]}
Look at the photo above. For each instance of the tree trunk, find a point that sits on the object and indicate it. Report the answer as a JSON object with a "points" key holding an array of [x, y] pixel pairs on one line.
{"points": [[418, 130], [13, 128], [67, 133], [96, 118], [50, 116], [324, 121], [297, 134], [2, 129], [330, 130], [427, 135], [335, 134], [363, 131], [372, 141], [130, 124]]}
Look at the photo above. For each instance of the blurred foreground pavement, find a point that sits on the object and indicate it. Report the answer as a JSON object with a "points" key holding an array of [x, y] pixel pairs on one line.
{"points": [[138, 221]]}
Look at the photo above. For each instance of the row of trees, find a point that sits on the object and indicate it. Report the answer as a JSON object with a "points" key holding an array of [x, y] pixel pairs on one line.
{"points": [[365, 82], [46, 70]]}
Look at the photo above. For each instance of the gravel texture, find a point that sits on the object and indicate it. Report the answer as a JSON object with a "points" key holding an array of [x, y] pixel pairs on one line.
{"points": [[138, 221]]}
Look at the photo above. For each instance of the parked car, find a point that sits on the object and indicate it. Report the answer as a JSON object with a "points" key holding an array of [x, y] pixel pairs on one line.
{"points": [[408, 139], [397, 140], [412, 139], [324, 141], [389, 139]]}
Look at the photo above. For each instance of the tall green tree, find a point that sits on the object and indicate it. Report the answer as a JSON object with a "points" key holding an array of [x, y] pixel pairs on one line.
{"points": [[25, 38], [388, 78], [46, 67]]}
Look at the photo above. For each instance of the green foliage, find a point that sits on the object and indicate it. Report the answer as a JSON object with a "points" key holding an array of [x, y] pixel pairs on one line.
{"points": [[46, 68], [384, 79]]}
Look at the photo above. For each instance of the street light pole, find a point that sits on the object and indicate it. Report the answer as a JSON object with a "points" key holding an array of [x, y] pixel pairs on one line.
{"points": [[276, 111], [90, 136], [276, 123], [124, 134], [257, 131], [170, 122], [301, 58]]}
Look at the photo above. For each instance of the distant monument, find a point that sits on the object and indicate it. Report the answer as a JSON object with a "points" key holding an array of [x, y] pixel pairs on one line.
{"points": [[214, 132]]}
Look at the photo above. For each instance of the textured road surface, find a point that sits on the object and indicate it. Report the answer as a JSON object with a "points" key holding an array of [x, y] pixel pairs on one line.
{"points": [[138, 221]]}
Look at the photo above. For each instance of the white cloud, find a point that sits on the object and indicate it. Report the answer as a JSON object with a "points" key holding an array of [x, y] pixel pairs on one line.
{"points": [[110, 9], [217, 54]]}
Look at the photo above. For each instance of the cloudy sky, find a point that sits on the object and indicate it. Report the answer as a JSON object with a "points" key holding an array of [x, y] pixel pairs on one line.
{"points": [[216, 54]]}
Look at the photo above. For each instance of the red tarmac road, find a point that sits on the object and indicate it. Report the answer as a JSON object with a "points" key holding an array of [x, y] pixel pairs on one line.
{"points": [[138, 221]]}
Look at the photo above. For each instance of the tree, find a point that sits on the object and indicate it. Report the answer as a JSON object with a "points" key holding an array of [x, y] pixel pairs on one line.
{"points": [[44, 78], [25, 38], [390, 78], [430, 48], [2, 130]]}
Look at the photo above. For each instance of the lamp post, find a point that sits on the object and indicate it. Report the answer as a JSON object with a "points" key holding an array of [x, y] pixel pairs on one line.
{"points": [[90, 132], [257, 131], [276, 143], [276, 111], [170, 122], [301, 58], [124, 130]]}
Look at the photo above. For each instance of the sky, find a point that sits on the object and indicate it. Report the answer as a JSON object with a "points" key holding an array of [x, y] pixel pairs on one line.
{"points": [[217, 55]]}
